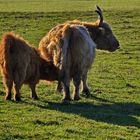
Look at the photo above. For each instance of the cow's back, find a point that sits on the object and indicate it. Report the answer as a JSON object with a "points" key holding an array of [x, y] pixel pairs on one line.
{"points": [[81, 49], [69, 48]]}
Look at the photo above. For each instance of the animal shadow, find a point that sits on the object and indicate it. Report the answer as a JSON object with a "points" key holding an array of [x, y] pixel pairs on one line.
{"points": [[109, 112]]}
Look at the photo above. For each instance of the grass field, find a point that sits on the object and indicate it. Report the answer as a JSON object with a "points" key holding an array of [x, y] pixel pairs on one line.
{"points": [[112, 111]]}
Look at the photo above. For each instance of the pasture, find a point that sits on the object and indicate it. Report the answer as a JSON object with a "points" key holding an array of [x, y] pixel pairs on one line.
{"points": [[113, 109]]}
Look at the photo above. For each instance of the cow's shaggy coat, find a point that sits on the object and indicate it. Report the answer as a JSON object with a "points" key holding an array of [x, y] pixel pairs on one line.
{"points": [[72, 51], [21, 63], [100, 33]]}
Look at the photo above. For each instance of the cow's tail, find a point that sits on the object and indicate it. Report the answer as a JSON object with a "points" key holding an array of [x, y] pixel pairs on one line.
{"points": [[65, 42], [7, 47]]}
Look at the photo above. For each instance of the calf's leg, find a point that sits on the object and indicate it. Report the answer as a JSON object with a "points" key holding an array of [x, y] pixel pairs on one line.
{"points": [[8, 83], [19, 77], [17, 94]]}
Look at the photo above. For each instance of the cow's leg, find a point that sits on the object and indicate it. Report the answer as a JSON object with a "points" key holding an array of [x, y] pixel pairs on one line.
{"points": [[17, 87], [76, 82], [66, 83], [66, 96], [59, 87], [8, 83], [33, 91], [85, 88]]}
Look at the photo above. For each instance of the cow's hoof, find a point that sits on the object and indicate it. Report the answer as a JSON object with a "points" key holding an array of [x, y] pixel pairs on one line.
{"points": [[76, 98], [66, 100], [8, 97], [35, 98], [17, 99], [86, 92]]}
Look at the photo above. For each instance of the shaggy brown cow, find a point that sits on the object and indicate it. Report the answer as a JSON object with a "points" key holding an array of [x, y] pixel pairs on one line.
{"points": [[72, 51], [21, 63]]}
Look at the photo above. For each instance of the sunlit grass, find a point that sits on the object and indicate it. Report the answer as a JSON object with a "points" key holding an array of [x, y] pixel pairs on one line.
{"points": [[112, 111]]}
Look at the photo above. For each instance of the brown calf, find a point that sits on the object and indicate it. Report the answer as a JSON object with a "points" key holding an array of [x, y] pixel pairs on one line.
{"points": [[21, 63]]}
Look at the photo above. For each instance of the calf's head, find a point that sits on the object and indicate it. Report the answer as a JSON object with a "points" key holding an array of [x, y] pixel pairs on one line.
{"points": [[48, 71]]}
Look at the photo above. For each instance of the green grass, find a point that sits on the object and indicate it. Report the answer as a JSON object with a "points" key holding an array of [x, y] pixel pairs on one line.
{"points": [[112, 111], [64, 5]]}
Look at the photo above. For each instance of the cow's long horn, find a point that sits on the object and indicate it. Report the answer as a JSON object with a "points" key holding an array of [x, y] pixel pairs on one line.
{"points": [[100, 13]]}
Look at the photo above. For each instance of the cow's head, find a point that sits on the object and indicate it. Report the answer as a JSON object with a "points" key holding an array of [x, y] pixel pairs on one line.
{"points": [[105, 39]]}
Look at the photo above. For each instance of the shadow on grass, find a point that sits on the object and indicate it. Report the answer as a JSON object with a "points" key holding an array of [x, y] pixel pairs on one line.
{"points": [[109, 112]]}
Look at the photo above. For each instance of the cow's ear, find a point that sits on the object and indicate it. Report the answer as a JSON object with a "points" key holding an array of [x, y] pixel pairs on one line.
{"points": [[101, 30]]}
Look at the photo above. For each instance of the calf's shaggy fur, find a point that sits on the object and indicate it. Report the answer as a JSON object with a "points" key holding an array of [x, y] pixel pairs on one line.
{"points": [[72, 51], [21, 63]]}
